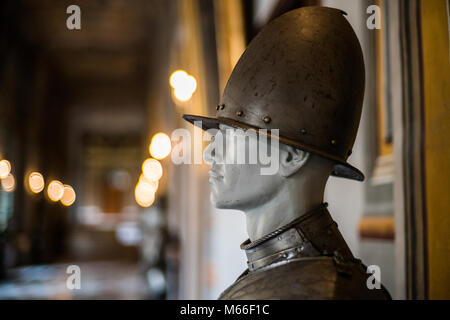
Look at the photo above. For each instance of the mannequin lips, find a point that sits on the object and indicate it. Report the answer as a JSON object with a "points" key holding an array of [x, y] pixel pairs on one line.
{"points": [[214, 176]]}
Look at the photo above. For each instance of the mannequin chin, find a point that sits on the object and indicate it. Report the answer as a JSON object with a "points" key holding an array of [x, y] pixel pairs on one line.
{"points": [[268, 201], [241, 187]]}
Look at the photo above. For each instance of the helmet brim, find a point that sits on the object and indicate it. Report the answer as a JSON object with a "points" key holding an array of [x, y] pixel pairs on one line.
{"points": [[341, 167]]}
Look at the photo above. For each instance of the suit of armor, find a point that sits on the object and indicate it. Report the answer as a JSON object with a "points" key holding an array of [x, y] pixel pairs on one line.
{"points": [[303, 75]]}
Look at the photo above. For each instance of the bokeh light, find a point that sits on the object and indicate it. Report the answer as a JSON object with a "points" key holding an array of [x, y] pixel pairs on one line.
{"points": [[152, 169], [182, 94], [151, 185], [183, 84], [191, 84], [8, 183], [176, 79], [55, 190], [69, 196], [36, 182], [160, 146], [5, 169], [144, 196]]}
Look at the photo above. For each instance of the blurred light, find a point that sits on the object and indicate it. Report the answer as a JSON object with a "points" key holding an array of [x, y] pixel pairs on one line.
{"points": [[191, 84], [152, 169], [89, 215], [55, 190], [160, 146], [128, 233], [177, 78], [5, 169], [121, 180], [151, 185], [69, 196], [36, 182], [182, 94], [9, 183], [156, 280], [183, 84], [144, 196]]}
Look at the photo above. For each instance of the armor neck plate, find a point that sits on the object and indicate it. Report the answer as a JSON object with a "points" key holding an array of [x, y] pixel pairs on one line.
{"points": [[311, 235]]}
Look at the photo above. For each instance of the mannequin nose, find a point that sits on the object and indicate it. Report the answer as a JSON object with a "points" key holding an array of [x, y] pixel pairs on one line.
{"points": [[209, 153]]}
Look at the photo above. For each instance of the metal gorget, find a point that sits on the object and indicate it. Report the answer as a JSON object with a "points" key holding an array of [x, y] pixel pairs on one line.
{"points": [[313, 234]]}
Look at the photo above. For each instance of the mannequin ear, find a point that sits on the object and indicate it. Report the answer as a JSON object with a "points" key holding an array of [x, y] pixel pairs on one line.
{"points": [[291, 160]]}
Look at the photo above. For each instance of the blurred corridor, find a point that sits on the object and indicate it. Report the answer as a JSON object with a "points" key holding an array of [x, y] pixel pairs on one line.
{"points": [[83, 109], [75, 109]]}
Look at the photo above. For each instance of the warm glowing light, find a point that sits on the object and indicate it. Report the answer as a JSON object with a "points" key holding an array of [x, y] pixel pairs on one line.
{"points": [[145, 203], [5, 169], [69, 196], [160, 146], [151, 185], [9, 183], [55, 190], [177, 78], [144, 196], [183, 84], [182, 94], [36, 182], [190, 84], [152, 169]]}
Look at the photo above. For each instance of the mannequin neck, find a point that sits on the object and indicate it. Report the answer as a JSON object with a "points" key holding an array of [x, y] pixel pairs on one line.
{"points": [[294, 199]]}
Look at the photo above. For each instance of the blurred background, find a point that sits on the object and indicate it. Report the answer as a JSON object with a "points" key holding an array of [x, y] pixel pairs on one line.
{"points": [[86, 116]]}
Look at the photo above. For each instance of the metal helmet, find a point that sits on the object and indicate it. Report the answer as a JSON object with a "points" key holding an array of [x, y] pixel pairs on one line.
{"points": [[304, 75]]}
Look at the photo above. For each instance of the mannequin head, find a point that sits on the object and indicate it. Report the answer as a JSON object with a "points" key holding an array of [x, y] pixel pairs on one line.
{"points": [[296, 186]]}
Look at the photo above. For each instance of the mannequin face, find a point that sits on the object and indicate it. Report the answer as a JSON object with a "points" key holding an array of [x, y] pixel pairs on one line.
{"points": [[238, 186], [296, 186]]}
